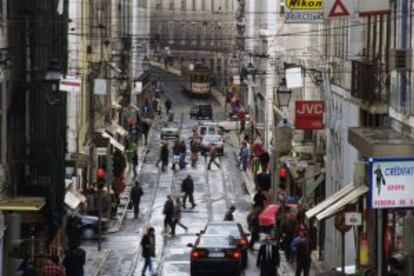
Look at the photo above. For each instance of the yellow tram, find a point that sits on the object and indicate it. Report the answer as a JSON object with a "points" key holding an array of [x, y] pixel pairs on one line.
{"points": [[197, 80]]}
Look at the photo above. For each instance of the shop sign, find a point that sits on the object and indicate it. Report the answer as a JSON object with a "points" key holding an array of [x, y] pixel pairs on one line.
{"points": [[309, 114], [391, 182], [304, 11], [101, 151]]}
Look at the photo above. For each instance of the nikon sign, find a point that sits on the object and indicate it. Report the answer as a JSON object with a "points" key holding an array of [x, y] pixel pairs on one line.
{"points": [[301, 5], [304, 11]]}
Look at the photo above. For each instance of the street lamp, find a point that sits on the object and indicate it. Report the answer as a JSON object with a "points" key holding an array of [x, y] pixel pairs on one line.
{"points": [[283, 94]]}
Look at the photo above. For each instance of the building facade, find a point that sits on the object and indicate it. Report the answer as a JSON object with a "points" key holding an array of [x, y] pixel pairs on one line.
{"points": [[184, 31]]}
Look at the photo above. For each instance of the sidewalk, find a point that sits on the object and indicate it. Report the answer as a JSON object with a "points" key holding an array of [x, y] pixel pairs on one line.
{"points": [[95, 260]]}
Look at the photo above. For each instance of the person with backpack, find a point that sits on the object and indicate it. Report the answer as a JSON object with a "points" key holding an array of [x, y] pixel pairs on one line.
{"points": [[302, 251]]}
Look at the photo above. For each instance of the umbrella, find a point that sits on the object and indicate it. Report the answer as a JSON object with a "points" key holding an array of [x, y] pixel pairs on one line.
{"points": [[268, 216]]}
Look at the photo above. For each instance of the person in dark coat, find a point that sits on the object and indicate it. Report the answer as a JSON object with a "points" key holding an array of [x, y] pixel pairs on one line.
{"points": [[229, 214], [168, 213], [148, 250], [177, 217], [176, 149], [259, 199], [213, 156], [253, 223], [263, 181], [187, 187], [73, 232], [301, 249], [268, 259], [264, 160], [74, 261], [136, 194], [168, 105], [164, 155], [145, 131]]}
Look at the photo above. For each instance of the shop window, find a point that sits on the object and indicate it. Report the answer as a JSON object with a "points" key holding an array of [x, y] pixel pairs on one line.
{"points": [[307, 135]]}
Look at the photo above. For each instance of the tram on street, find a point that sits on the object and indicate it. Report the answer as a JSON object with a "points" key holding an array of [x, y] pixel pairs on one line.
{"points": [[196, 80]]}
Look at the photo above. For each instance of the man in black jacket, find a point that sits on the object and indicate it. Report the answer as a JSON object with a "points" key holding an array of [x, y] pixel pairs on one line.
{"points": [[268, 258], [74, 261], [187, 187], [148, 250], [145, 130], [263, 181], [164, 154], [169, 214], [136, 193]]}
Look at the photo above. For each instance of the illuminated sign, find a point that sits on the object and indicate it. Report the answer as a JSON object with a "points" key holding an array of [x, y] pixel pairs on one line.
{"points": [[306, 5]]}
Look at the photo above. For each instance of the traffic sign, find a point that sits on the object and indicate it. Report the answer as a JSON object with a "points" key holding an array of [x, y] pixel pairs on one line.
{"points": [[338, 9]]}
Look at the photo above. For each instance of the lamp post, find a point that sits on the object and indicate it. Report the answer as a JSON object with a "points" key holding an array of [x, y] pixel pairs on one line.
{"points": [[281, 132]]}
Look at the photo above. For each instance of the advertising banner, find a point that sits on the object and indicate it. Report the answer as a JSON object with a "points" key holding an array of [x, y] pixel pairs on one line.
{"points": [[309, 114], [391, 182], [304, 11]]}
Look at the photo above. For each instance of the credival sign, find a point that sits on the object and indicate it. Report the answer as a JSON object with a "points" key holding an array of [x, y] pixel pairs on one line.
{"points": [[391, 182]]}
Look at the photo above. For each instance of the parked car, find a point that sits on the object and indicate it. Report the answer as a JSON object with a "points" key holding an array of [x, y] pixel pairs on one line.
{"points": [[90, 226], [201, 111], [233, 229], [170, 130], [215, 255], [233, 124], [212, 139]]}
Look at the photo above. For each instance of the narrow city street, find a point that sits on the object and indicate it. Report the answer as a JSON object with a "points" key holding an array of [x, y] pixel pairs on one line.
{"points": [[215, 191]]}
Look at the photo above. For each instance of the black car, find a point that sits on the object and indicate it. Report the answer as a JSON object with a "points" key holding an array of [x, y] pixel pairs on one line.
{"points": [[233, 229], [215, 255], [201, 112]]}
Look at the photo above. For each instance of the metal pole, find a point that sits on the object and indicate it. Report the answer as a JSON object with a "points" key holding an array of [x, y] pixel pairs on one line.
{"points": [[380, 240], [91, 129], [99, 217], [343, 252]]}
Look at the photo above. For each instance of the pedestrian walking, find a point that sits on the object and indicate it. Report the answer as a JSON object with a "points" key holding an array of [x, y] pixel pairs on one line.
{"points": [[242, 119], [264, 160], [74, 261], [148, 250], [263, 181], [244, 156], [268, 259], [168, 105], [287, 227], [73, 232], [135, 162], [260, 199], [253, 223], [177, 216], [302, 251], [52, 267], [168, 212], [187, 187], [145, 131], [164, 155], [229, 214], [176, 149], [136, 194], [195, 149], [213, 156]]}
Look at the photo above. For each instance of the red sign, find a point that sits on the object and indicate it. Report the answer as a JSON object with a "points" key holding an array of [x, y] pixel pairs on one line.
{"points": [[309, 114], [338, 9]]}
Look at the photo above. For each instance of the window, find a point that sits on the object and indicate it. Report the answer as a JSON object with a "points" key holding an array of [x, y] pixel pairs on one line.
{"points": [[194, 5], [183, 30], [171, 32], [204, 34], [203, 5], [158, 6], [194, 32], [226, 5], [172, 5], [212, 5], [183, 5]]}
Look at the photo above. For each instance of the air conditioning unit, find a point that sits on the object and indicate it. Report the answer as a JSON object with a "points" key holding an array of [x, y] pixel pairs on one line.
{"points": [[401, 59]]}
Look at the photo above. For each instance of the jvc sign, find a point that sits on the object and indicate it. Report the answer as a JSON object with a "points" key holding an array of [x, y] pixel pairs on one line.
{"points": [[309, 114]]}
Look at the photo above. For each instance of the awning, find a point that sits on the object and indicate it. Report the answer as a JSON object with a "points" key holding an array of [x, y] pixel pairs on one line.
{"points": [[112, 141], [114, 128], [337, 201], [310, 188], [29, 204], [335, 208]]}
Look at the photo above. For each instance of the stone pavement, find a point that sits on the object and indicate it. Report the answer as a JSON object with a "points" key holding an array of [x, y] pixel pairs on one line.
{"points": [[95, 260]]}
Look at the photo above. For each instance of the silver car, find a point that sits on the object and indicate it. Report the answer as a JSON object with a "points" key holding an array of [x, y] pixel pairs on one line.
{"points": [[170, 130]]}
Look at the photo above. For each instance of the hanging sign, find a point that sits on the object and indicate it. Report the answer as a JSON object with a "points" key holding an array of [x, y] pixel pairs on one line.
{"points": [[337, 8], [304, 11], [391, 182], [309, 114], [70, 84]]}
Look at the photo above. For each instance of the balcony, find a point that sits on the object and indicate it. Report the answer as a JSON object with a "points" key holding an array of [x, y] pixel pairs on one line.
{"points": [[369, 82]]}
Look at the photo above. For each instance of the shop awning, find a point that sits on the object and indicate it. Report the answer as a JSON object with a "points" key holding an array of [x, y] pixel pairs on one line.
{"points": [[112, 141], [336, 202], [329, 201], [114, 128], [310, 188], [340, 204], [28, 204]]}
